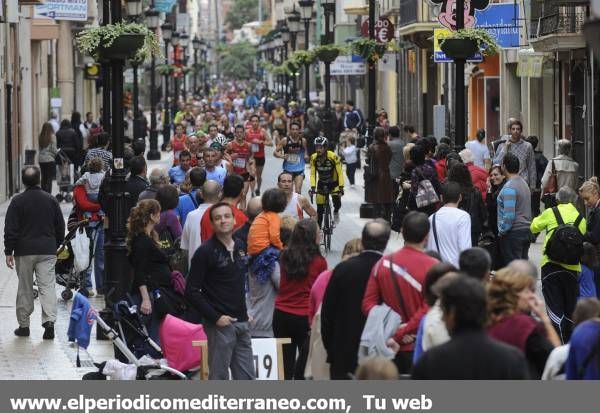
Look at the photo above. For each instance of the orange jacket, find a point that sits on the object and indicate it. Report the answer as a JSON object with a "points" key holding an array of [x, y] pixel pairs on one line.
{"points": [[264, 232]]}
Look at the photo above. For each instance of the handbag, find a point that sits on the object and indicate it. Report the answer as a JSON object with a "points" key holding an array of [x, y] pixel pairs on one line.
{"points": [[426, 194], [550, 189], [81, 250]]}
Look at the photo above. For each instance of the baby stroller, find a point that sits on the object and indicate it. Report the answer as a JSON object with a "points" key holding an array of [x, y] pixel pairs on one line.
{"points": [[64, 176], [132, 348], [66, 275]]}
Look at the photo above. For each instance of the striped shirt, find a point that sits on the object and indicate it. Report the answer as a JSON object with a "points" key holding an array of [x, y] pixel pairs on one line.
{"points": [[101, 153], [524, 151], [514, 206]]}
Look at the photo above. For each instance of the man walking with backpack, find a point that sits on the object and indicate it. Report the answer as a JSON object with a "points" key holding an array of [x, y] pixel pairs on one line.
{"points": [[563, 248]]}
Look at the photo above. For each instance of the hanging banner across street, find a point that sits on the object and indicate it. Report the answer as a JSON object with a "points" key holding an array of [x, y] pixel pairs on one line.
{"points": [[73, 10]]}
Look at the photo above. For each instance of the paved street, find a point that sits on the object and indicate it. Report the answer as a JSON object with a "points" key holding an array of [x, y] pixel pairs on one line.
{"points": [[34, 358]]}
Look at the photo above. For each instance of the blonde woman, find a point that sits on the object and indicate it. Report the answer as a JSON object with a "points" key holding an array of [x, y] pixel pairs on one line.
{"points": [[511, 298]]}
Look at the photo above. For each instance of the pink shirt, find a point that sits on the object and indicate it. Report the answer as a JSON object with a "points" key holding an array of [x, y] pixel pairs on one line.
{"points": [[317, 292]]}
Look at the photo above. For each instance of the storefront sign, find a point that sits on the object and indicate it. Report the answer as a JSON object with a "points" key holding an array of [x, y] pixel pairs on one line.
{"points": [[74, 10], [164, 6], [439, 56], [384, 30], [348, 66]]}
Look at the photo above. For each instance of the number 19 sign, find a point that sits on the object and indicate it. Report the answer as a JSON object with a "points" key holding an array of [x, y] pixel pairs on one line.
{"points": [[265, 358], [384, 30]]}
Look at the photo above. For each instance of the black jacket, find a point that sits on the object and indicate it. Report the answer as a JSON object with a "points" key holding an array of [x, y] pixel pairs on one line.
{"points": [[135, 186], [216, 283], [68, 140], [342, 319], [34, 224], [471, 355]]}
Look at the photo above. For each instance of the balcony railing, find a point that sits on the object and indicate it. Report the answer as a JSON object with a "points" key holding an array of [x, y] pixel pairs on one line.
{"points": [[408, 11], [563, 20]]}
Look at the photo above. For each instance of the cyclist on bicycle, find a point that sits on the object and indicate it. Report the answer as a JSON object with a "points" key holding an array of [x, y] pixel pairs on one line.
{"points": [[327, 165]]}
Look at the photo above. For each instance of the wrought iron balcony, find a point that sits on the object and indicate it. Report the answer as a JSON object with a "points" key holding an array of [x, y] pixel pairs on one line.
{"points": [[566, 19], [408, 11]]}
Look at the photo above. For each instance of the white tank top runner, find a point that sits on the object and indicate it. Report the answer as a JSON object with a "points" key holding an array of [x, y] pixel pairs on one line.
{"points": [[293, 209]]}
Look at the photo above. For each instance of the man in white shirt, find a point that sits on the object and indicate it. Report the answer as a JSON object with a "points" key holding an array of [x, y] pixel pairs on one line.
{"points": [[481, 152], [190, 238], [450, 232]]}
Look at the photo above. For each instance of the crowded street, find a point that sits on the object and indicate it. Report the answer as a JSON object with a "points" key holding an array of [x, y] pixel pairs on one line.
{"points": [[300, 190]]}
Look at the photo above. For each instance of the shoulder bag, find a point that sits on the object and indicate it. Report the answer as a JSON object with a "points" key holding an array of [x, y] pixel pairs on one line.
{"points": [[550, 189], [426, 194]]}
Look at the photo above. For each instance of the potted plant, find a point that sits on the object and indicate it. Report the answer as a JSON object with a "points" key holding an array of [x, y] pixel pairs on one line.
{"points": [[465, 43], [165, 70], [303, 57], [328, 53], [369, 49], [119, 41]]}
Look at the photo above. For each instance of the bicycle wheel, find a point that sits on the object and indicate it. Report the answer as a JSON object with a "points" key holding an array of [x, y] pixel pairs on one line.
{"points": [[327, 229]]}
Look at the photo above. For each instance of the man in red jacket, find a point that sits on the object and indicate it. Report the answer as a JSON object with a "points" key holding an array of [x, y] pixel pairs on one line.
{"points": [[397, 280], [479, 175]]}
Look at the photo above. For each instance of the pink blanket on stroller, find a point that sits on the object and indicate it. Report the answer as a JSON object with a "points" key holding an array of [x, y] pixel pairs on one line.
{"points": [[176, 338]]}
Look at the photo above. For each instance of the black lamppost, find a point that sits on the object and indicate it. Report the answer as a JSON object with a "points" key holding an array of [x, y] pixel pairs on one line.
{"points": [[116, 267], [293, 22], [285, 37], [136, 100], [459, 115], [167, 32], [175, 44], [205, 47], [327, 115], [372, 72], [152, 20], [306, 11], [184, 41], [196, 47]]}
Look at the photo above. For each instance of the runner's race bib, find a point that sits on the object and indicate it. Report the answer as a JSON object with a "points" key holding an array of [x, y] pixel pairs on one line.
{"points": [[239, 163], [255, 147], [293, 158]]}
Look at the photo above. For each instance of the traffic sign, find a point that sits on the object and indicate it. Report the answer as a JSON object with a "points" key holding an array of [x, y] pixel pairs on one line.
{"points": [[73, 10], [384, 30]]}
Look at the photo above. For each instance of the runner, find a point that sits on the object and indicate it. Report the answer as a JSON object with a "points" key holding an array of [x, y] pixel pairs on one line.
{"points": [[258, 138], [328, 167], [278, 122], [297, 204], [241, 156], [295, 155], [178, 142]]}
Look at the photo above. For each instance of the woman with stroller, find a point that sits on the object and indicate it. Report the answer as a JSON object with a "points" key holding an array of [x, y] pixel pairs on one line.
{"points": [[151, 271]]}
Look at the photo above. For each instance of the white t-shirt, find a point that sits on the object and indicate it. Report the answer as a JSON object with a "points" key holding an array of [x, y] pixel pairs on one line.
{"points": [[350, 155], [480, 152], [434, 329], [453, 227], [190, 237]]}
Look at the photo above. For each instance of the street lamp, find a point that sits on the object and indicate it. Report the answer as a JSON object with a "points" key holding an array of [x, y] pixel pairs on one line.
{"points": [[293, 22], [175, 44], [152, 21], [327, 115], [116, 267], [285, 37], [196, 46], [167, 33], [184, 41], [306, 11], [134, 7]]}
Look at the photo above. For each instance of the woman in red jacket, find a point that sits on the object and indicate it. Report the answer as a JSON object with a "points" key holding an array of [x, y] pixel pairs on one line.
{"points": [[301, 263]]}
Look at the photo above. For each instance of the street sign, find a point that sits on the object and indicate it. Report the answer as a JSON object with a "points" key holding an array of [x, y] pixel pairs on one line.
{"points": [[348, 66], [439, 56], [73, 10], [384, 30]]}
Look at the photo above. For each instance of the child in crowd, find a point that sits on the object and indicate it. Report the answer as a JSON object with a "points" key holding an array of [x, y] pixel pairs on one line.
{"points": [[265, 229], [93, 178], [589, 262]]}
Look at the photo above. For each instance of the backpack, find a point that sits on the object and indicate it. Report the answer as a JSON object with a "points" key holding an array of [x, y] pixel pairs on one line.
{"points": [[565, 245]]}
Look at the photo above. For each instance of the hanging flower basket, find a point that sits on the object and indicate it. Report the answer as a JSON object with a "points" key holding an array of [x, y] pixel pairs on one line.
{"points": [[369, 49], [459, 48], [328, 53], [123, 47], [119, 41]]}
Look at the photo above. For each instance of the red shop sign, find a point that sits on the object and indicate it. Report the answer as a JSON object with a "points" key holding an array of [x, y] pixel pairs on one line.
{"points": [[384, 30]]}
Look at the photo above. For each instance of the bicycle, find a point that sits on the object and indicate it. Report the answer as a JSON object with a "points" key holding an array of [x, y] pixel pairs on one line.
{"points": [[328, 221]]}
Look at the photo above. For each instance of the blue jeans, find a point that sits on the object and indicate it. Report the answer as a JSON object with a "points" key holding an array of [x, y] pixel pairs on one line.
{"points": [[514, 245], [96, 233]]}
